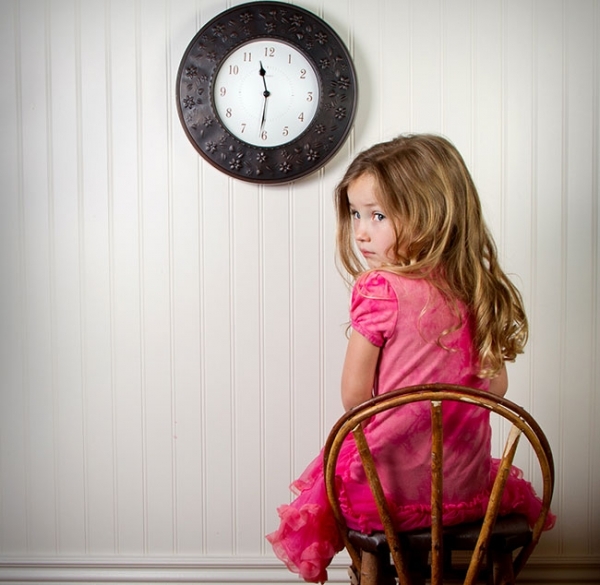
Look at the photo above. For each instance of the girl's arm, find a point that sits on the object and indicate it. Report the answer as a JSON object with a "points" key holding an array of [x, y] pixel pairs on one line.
{"points": [[499, 384], [358, 375]]}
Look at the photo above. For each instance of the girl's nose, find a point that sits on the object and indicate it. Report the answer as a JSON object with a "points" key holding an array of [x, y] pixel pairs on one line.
{"points": [[360, 233]]}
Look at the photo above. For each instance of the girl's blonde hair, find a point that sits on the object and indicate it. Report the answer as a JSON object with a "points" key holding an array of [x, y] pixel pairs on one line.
{"points": [[426, 190]]}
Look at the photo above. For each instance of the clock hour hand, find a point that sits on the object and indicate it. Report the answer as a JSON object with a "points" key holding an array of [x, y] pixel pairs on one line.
{"points": [[263, 74], [266, 94]]}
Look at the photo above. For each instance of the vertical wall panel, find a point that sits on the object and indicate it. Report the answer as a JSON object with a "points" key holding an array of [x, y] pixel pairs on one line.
{"points": [[518, 68], [97, 300], [579, 273], [65, 286], [278, 348], [426, 36], [188, 361], [218, 325], [547, 229], [39, 384], [13, 464], [488, 95], [126, 231], [306, 321], [247, 232], [457, 75], [370, 59], [158, 274], [396, 68], [594, 437], [172, 339]]}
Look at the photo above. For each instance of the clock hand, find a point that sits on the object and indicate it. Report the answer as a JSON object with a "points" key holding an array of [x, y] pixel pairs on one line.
{"points": [[266, 94], [264, 115], [263, 74]]}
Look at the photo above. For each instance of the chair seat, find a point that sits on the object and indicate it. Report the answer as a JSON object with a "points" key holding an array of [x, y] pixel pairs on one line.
{"points": [[510, 532]]}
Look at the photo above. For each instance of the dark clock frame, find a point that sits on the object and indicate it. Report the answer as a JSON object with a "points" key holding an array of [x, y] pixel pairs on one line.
{"points": [[337, 102]]}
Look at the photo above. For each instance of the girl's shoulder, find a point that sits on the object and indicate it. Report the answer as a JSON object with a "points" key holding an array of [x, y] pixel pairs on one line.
{"points": [[384, 284], [373, 283], [374, 307]]}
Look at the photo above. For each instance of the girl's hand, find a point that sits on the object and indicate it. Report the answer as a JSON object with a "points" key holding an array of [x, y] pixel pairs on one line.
{"points": [[358, 375]]}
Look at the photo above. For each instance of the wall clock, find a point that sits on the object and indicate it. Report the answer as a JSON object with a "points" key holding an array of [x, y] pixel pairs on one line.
{"points": [[266, 92]]}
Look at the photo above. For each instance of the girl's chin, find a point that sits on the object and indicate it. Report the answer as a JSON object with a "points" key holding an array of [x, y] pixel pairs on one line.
{"points": [[371, 263]]}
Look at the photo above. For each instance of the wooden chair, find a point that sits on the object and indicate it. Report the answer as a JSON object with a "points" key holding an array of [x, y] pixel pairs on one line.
{"points": [[427, 554]]}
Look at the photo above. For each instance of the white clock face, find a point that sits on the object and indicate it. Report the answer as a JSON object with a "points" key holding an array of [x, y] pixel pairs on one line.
{"points": [[266, 93]]}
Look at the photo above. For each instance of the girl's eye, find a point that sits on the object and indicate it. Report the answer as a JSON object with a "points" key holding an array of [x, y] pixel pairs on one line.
{"points": [[354, 214], [378, 216]]}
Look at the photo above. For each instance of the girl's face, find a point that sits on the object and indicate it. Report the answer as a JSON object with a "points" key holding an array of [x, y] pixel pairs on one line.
{"points": [[373, 231]]}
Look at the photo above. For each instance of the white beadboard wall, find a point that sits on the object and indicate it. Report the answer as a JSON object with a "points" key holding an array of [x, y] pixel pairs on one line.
{"points": [[171, 339]]}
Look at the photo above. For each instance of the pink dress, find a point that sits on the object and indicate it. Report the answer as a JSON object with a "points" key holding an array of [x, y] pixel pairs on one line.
{"points": [[405, 317]]}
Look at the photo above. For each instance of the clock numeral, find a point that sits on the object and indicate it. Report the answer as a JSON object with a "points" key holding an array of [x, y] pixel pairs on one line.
{"points": [[223, 91], [269, 51], [302, 73], [248, 57], [309, 97], [263, 135], [243, 127], [301, 117], [290, 59], [286, 130], [228, 113], [234, 70]]}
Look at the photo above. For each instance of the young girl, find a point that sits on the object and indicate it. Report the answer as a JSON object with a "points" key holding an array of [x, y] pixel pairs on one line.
{"points": [[429, 304]]}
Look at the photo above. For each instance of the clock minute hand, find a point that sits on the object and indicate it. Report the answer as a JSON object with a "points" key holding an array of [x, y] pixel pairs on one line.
{"points": [[264, 115]]}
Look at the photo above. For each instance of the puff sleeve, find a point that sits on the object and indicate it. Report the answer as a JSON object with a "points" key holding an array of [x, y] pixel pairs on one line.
{"points": [[374, 308]]}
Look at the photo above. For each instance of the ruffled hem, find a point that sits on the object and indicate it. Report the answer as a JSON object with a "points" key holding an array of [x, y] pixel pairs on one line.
{"points": [[308, 539], [519, 497]]}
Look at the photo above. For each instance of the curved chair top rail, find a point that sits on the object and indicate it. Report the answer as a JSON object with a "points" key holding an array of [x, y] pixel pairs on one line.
{"points": [[427, 392]]}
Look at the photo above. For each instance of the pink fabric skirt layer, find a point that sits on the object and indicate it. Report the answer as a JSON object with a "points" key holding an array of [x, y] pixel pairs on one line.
{"points": [[307, 538]]}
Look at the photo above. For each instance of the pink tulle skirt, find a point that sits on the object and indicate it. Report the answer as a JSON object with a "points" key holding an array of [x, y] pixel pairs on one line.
{"points": [[307, 538]]}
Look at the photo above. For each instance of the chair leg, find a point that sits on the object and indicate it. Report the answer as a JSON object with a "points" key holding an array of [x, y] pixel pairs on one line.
{"points": [[489, 570], [369, 568], [419, 567], [386, 574], [503, 569]]}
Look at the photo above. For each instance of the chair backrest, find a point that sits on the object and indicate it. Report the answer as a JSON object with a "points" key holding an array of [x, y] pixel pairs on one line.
{"points": [[522, 423]]}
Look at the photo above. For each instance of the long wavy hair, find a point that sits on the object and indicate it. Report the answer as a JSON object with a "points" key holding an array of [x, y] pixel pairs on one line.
{"points": [[426, 190]]}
